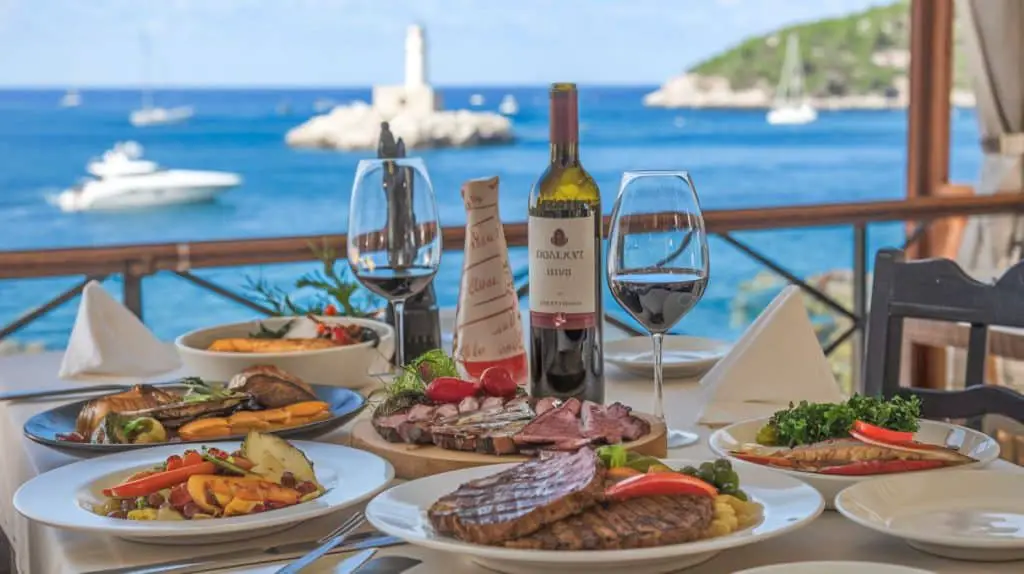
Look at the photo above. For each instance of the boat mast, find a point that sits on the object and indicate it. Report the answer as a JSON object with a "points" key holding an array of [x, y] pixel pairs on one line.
{"points": [[791, 83]]}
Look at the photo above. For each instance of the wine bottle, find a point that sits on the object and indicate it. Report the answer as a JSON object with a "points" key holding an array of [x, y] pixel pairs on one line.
{"points": [[566, 358]]}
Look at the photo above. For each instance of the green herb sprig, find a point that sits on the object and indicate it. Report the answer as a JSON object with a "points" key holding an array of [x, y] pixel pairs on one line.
{"points": [[809, 423]]}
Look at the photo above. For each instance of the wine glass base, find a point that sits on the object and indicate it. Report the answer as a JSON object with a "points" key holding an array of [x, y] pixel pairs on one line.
{"points": [[678, 438]]}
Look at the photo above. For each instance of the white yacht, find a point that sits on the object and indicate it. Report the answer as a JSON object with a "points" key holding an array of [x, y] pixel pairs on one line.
{"points": [[150, 115], [121, 179], [71, 99], [791, 106], [508, 106], [476, 100]]}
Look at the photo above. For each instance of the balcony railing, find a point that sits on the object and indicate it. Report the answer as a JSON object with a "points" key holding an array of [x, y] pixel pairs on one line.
{"points": [[135, 262]]}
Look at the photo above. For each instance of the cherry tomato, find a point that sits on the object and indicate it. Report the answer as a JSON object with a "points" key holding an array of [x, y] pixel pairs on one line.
{"points": [[498, 382], [450, 390], [330, 310], [321, 329], [174, 461], [192, 457]]}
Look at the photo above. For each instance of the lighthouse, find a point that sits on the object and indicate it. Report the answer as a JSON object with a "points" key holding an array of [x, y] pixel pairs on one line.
{"points": [[415, 58]]}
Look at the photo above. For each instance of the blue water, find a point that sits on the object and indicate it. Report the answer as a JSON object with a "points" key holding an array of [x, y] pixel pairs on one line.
{"points": [[736, 159]]}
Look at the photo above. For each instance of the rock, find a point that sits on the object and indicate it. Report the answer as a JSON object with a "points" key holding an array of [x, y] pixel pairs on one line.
{"points": [[357, 127], [696, 91]]}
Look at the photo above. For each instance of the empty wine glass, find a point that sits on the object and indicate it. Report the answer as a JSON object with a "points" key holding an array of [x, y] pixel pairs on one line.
{"points": [[394, 236], [658, 260]]}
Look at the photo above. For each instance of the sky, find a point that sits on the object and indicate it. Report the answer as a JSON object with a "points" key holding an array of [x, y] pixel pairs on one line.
{"points": [[58, 43]]}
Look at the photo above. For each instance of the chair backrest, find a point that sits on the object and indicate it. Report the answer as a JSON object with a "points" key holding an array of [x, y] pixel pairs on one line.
{"points": [[939, 290]]}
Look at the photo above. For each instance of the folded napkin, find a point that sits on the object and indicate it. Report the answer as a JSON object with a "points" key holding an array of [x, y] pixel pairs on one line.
{"points": [[778, 360], [108, 340]]}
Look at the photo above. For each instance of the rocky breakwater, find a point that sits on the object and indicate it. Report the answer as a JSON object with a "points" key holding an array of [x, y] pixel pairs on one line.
{"points": [[357, 127]]}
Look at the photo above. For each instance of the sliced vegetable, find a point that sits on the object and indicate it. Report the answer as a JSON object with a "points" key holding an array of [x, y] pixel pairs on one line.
{"points": [[273, 456], [882, 434], [881, 467], [156, 482], [226, 464], [145, 430], [213, 493], [450, 390], [613, 456], [621, 472], [660, 484]]}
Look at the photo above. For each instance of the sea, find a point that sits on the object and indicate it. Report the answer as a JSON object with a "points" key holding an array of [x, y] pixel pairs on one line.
{"points": [[735, 158]]}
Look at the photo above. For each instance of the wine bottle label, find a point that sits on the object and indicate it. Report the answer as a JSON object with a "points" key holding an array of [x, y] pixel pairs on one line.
{"points": [[563, 272]]}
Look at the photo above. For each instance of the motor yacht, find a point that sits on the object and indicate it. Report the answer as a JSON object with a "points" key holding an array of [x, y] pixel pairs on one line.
{"points": [[122, 179]]}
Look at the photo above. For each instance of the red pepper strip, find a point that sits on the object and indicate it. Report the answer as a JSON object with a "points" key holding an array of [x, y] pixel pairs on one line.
{"points": [[882, 434], [882, 467], [762, 459], [659, 484], [159, 481]]}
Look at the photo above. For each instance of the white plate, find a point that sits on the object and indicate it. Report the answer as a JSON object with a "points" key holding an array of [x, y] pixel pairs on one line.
{"points": [[972, 443], [966, 515], [402, 511], [682, 357], [59, 497], [834, 567]]}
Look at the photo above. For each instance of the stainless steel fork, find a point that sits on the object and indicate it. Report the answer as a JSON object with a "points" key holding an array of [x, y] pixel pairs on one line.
{"points": [[327, 543]]}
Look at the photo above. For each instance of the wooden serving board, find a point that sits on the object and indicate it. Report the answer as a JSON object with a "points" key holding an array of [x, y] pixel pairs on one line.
{"points": [[416, 461]]}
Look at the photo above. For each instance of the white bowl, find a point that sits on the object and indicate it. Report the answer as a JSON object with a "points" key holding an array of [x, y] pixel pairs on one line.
{"points": [[350, 366], [964, 515], [977, 445]]}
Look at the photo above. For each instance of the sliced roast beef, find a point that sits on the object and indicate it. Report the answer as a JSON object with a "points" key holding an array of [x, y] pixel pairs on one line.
{"points": [[546, 404], [558, 427], [446, 411], [469, 404], [398, 428], [633, 427], [492, 403], [489, 432], [599, 425], [421, 413], [521, 500]]}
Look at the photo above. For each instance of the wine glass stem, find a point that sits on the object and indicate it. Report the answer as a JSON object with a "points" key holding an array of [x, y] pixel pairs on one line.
{"points": [[399, 308], [659, 393]]}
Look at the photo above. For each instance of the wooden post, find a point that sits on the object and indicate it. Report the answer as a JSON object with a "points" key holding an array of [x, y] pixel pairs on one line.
{"points": [[931, 70]]}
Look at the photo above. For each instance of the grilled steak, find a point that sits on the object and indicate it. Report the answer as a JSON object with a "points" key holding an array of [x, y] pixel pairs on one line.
{"points": [[398, 428], [557, 429], [521, 500], [633, 523], [488, 432]]}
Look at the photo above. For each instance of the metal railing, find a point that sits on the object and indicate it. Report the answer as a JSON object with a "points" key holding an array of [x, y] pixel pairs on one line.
{"points": [[136, 262]]}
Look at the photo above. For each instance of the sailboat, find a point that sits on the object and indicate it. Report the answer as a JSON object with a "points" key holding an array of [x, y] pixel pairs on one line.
{"points": [[149, 114], [508, 106], [71, 99], [791, 106]]}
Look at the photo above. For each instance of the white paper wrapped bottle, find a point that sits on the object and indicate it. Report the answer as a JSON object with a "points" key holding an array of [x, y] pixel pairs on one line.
{"points": [[488, 326]]}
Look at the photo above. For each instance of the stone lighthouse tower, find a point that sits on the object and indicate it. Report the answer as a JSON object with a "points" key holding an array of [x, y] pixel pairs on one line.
{"points": [[414, 95], [415, 58]]}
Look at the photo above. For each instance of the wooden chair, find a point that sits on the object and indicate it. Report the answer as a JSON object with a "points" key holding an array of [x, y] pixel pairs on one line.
{"points": [[939, 290]]}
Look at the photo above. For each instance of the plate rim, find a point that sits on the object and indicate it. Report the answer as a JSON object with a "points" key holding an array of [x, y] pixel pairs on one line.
{"points": [[713, 545], [69, 508], [722, 344], [938, 540], [326, 425], [839, 479]]}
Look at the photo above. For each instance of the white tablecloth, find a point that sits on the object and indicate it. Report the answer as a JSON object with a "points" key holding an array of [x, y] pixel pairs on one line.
{"points": [[44, 550]]}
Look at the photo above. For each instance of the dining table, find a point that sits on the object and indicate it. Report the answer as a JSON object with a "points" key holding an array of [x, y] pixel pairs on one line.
{"points": [[40, 549]]}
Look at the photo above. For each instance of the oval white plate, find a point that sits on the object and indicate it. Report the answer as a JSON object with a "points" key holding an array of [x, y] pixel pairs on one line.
{"points": [[402, 511], [834, 567], [967, 515], [972, 443], [682, 357], [59, 497]]}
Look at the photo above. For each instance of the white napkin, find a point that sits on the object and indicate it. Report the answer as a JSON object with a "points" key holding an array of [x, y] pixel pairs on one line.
{"points": [[778, 360], [109, 340]]}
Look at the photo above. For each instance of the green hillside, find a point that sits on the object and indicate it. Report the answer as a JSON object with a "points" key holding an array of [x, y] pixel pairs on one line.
{"points": [[838, 54]]}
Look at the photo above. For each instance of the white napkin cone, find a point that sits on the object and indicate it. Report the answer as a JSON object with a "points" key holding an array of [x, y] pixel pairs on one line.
{"points": [[109, 340], [778, 360]]}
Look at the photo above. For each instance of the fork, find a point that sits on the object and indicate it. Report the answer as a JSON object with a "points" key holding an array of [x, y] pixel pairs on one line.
{"points": [[327, 543]]}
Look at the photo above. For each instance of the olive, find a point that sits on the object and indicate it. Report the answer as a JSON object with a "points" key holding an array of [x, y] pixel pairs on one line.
{"points": [[723, 475], [689, 470], [706, 475], [155, 500], [740, 495], [723, 463], [707, 467], [728, 488]]}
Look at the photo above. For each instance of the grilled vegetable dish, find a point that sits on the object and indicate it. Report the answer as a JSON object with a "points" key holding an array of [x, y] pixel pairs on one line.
{"points": [[288, 340], [259, 398], [264, 474], [863, 436]]}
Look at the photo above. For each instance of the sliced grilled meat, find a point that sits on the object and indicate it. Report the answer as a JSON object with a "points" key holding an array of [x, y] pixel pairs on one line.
{"points": [[635, 523], [611, 424], [488, 432], [522, 499], [272, 387], [558, 428]]}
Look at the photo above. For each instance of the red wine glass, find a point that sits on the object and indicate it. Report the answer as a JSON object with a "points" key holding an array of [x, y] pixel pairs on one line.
{"points": [[658, 264], [394, 235]]}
